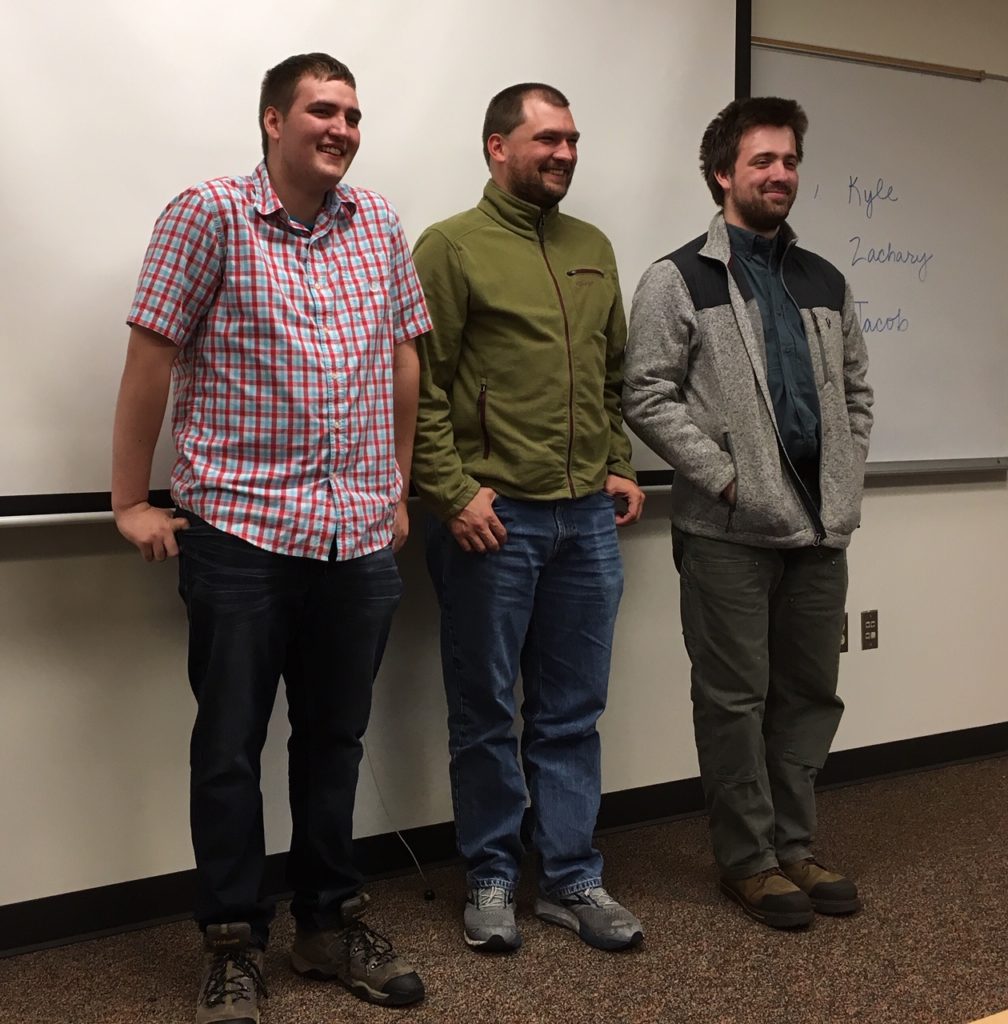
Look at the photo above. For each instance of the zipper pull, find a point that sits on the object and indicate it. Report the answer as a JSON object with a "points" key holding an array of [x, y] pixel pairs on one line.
{"points": [[540, 225]]}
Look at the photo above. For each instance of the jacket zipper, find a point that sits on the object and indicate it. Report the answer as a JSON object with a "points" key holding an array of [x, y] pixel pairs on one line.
{"points": [[585, 270], [815, 322], [481, 409], [540, 229], [803, 493]]}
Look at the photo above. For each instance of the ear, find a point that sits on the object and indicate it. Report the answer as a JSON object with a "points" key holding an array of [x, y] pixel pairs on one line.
{"points": [[724, 180], [272, 122], [495, 147]]}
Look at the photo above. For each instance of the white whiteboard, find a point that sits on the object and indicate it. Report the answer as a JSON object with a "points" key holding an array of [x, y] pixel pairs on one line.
{"points": [[115, 106], [926, 258]]}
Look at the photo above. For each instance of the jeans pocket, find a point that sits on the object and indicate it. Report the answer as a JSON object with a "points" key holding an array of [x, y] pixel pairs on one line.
{"points": [[372, 577], [222, 571]]}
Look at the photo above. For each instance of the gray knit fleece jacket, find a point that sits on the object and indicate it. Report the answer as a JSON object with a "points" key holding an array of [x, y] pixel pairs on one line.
{"points": [[695, 391]]}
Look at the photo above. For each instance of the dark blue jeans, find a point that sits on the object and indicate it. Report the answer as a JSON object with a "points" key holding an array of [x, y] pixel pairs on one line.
{"points": [[254, 616], [545, 604]]}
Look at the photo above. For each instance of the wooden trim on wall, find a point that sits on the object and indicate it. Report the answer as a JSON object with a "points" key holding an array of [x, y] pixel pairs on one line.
{"points": [[857, 57]]}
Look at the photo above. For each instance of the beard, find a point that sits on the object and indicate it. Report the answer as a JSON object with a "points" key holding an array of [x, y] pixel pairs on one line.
{"points": [[760, 214], [535, 187]]}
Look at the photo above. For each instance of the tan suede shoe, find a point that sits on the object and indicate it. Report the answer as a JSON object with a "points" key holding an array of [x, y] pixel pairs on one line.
{"points": [[770, 898], [829, 892]]}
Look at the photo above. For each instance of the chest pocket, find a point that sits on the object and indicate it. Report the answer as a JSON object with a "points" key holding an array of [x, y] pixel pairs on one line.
{"points": [[356, 292], [590, 290], [826, 344]]}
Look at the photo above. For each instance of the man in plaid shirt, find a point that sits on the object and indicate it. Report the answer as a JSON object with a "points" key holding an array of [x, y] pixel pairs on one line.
{"points": [[285, 307]]}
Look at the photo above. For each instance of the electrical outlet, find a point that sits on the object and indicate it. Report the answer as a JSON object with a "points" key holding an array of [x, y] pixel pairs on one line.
{"points": [[869, 630], [843, 635]]}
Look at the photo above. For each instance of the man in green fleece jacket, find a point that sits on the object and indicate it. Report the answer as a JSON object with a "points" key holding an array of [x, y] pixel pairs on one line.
{"points": [[521, 453]]}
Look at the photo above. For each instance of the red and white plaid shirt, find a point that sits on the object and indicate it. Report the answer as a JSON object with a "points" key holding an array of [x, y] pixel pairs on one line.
{"points": [[282, 418]]}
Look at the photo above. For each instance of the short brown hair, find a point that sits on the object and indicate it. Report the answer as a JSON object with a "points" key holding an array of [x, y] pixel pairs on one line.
{"points": [[720, 145], [280, 83], [506, 110]]}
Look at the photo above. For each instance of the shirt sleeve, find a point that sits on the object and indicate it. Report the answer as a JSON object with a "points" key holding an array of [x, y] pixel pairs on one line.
{"points": [[618, 461], [406, 298], [438, 474], [662, 334], [857, 391], [181, 272]]}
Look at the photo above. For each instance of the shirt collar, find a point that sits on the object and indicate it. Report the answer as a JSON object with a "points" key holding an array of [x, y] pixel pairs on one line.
{"points": [[717, 245], [339, 202], [748, 244]]}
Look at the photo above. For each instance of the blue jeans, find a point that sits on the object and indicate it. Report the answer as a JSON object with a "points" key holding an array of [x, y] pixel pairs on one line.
{"points": [[545, 604], [254, 616]]}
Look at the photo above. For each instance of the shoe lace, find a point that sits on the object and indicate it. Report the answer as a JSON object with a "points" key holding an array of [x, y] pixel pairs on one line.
{"points": [[598, 896], [219, 985], [761, 876], [372, 946], [491, 896]]}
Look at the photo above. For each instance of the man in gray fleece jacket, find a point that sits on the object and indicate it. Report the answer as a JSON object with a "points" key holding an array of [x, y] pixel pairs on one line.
{"points": [[745, 370]]}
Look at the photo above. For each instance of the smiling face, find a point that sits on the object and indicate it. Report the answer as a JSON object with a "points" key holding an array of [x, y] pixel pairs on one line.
{"points": [[763, 184], [312, 145], [536, 160]]}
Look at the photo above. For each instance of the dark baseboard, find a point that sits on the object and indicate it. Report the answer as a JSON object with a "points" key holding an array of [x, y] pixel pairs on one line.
{"points": [[73, 916], [922, 752], [110, 909]]}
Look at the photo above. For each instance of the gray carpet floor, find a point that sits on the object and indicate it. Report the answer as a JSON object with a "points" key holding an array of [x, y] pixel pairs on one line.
{"points": [[928, 851]]}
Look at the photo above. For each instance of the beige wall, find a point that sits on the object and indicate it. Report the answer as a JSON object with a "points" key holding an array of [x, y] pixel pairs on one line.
{"points": [[96, 711], [94, 733]]}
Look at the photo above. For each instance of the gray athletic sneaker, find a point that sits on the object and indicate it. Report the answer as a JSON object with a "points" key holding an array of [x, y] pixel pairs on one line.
{"points": [[232, 976], [489, 920], [358, 957], [595, 916]]}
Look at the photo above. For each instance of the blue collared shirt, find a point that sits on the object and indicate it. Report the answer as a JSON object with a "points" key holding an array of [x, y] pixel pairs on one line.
{"points": [[790, 375]]}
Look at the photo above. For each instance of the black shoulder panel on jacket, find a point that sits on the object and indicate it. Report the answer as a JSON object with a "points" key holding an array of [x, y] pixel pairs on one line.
{"points": [[706, 279], [812, 280]]}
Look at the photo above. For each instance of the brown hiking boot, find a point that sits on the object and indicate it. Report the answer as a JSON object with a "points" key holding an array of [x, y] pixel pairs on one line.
{"points": [[232, 976], [357, 957], [770, 898], [829, 892]]}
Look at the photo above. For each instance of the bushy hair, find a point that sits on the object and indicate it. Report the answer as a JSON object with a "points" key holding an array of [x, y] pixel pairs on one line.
{"points": [[506, 109], [280, 83], [719, 147]]}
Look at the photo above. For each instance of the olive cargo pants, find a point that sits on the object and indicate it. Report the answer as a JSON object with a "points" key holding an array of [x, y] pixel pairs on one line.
{"points": [[762, 628]]}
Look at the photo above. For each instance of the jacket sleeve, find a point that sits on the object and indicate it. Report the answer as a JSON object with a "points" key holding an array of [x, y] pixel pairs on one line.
{"points": [[663, 327], [437, 467], [857, 391], [618, 461]]}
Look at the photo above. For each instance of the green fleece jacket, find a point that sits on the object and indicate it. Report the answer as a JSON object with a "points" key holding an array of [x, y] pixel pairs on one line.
{"points": [[521, 376]]}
